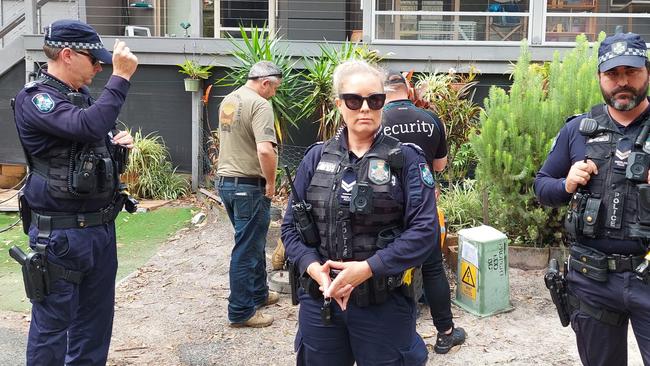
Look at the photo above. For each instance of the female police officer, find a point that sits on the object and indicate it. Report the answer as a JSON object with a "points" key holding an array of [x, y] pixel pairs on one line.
{"points": [[374, 208]]}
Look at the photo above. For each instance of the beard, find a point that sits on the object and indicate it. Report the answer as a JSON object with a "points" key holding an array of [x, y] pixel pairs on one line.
{"points": [[625, 105]]}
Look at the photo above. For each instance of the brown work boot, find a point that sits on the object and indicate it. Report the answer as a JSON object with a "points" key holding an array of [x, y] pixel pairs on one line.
{"points": [[271, 299], [258, 320]]}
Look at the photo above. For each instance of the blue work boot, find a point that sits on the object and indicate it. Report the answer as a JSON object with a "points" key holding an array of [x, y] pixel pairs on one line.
{"points": [[444, 342]]}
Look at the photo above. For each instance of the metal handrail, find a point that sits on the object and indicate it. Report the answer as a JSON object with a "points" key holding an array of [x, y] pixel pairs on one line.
{"points": [[18, 19], [12, 25]]}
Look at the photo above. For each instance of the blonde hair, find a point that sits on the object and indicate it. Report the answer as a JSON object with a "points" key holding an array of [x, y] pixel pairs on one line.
{"points": [[351, 67]]}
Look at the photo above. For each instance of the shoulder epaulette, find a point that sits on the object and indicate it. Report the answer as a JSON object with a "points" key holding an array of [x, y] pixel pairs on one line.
{"points": [[312, 146], [572, 117]]}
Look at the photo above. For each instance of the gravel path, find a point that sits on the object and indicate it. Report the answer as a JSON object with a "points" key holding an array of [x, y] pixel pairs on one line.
{"points": [[172, 311]]}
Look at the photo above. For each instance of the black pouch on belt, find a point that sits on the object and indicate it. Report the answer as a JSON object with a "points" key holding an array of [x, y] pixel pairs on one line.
{"points": [[590, 217], [589, 262], [644, 204]]}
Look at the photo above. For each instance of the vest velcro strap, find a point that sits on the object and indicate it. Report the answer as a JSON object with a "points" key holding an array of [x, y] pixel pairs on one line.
{"points": [[58, 271], [606, 316]]}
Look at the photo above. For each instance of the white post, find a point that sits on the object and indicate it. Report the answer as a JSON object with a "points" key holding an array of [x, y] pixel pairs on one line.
{"points": [[31, 19], [368, 10], [196, 137], [217, 18], [196, 18], [271, 17]]}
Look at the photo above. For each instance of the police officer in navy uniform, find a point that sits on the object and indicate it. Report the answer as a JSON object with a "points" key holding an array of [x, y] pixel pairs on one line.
{"points": [[75, 155], [373, 204], [599, 163], [410, 124]]}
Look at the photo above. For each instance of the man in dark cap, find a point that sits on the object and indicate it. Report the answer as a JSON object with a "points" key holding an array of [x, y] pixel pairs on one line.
{"points": [[599, 163], [410, 124], [73, 194]]}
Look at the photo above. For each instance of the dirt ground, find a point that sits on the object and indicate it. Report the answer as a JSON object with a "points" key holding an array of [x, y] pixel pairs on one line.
{"points": [[172, 311]]}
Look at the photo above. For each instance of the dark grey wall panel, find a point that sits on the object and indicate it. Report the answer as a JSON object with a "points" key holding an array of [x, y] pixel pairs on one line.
{"points": [[157, 102], [10, 84]]}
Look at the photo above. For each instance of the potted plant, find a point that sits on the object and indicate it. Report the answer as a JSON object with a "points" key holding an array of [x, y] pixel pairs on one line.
{"points": [[195, 73]]}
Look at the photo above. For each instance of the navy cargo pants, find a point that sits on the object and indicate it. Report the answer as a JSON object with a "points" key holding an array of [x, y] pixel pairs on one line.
{"points": [[601, 344], [73, 325], [376, 335]]}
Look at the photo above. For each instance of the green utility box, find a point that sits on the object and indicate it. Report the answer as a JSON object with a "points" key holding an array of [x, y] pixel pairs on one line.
{"points": [[483, 279]]}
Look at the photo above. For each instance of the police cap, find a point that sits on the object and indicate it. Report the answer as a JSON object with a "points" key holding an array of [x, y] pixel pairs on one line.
{"points": [[622, 49], [77, 35]]}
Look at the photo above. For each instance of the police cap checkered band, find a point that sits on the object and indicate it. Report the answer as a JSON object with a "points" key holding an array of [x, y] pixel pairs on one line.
{"points": [[622, 49], [70, 33]]}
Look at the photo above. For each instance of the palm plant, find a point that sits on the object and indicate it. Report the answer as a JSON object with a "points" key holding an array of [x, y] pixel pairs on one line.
{"points": [[262, 46], [317, 81]]}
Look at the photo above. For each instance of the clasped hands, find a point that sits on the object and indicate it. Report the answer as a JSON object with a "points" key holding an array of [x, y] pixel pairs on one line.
{"points": [[350, 275]]}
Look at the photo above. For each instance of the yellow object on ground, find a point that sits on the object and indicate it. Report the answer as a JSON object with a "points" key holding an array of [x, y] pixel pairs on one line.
{"points": [[443, 228]]}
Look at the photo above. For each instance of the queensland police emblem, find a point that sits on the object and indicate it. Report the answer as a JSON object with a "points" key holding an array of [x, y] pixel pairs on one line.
{"points": [[619, 47], [378, 171], [426, 175], [43, 102]]}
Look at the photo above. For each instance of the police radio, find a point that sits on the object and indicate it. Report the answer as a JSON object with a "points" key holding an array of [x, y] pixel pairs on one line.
{"points": [[302, 217], [83, 177]]}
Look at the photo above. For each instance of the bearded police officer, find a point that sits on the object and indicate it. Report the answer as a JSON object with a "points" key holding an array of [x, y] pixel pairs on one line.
{"points": [[75, 156], [599, 163]]}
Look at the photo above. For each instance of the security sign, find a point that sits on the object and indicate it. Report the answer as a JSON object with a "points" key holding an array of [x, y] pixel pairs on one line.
{"points": [[468, 280]]}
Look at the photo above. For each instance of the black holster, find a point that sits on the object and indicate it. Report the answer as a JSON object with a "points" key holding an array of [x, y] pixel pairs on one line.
{"points": [[557, 285], [38, 273], [25, 212], [294, 281]]}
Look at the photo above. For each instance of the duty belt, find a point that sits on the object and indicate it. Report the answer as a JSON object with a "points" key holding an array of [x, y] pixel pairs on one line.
{"points": [[623, 263], [595, 264], [58, 220], [372, 291]]}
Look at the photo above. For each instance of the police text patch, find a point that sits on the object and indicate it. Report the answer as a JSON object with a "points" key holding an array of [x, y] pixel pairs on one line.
{"points": [[324, 166], [43, 102]]}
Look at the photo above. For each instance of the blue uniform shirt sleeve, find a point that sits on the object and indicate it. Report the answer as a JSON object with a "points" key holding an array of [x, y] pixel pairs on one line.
{"points": [[68, 121], [420, 235], [569, 147], [297, 252]]}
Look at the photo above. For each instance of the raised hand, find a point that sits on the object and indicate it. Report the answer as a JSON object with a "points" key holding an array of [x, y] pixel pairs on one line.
{"points": [[124, 62]]}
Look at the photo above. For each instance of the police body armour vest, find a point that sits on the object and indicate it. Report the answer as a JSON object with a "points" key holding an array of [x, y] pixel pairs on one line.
{"points": [[345, 235], [77, 171], [612, 208]]}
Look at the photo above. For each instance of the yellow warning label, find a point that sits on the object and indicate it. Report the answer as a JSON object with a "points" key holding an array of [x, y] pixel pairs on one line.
{"points": [[468, 279]]}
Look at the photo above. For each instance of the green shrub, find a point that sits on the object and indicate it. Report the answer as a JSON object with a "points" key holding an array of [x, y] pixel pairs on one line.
{"points": [[517, 131], [461, 204], [150, 174]]}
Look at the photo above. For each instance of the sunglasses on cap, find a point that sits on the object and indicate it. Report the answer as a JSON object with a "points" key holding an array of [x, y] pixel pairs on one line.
{"points": [[355, 101], [265, 76], [93, 60]]}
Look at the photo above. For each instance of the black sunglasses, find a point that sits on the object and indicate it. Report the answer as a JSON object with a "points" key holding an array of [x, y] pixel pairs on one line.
{"points": [[93, 60], [355, 101]]}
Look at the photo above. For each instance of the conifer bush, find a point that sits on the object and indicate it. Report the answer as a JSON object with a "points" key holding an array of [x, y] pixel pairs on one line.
{"points": [[517, 129]]}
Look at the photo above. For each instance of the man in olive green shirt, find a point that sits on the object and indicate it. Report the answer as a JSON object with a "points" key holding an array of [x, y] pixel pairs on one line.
{"points": [[246, 182]]}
